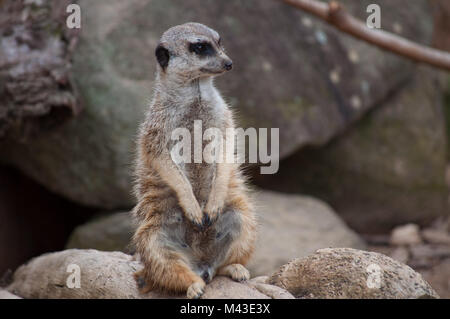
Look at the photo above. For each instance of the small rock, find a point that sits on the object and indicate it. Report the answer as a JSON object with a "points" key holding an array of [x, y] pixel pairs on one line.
{"points": [[350, 273], [400, 254], [434, 236], [406, 235]]}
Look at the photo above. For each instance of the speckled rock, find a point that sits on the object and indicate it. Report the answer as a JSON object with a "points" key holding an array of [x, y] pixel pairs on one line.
{"points": [[102, 275], [291, 72], [109, 275], [350, 273]]}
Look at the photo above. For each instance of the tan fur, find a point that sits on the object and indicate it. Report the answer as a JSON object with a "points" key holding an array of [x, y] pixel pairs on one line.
{"points": [[194, 220]]}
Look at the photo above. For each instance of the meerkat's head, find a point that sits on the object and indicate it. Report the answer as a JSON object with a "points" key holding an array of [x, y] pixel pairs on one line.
{"points": [[191, 51]]}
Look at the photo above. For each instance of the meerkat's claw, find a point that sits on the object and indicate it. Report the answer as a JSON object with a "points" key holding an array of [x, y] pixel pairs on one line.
{"points": [[196, 290], [213, 216], [213, 210], [237, 272], [195, 220], [207, 221], [198, 225]]}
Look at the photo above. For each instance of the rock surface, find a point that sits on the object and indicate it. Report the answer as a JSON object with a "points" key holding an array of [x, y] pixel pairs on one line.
{"points": [[35, 90], [328, 273], [114, 64], [102, 275], [388, 170], [350, 273], [295, 226], [7, 295], [109, 275], [106, 233], [290, 226]]}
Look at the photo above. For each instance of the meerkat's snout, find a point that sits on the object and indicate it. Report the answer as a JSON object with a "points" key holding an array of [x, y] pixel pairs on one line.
{"points": [[228, 65]]}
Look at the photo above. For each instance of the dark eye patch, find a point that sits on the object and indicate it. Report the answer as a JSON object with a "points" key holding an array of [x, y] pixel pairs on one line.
{"points": [[202, 48]]}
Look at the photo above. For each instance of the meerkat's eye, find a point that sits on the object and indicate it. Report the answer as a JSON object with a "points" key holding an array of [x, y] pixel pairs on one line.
{"points": [[201, 48]]}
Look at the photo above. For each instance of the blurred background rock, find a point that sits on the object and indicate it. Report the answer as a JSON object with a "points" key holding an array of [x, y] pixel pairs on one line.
{"points": [[361, 129]]}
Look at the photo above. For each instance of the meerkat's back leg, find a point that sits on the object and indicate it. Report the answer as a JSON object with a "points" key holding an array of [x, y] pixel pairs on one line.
{"points": [[164, 269], [243, 246]]}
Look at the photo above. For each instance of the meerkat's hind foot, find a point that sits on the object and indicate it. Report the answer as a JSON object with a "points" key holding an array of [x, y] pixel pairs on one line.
{"points": [[196, 290], [237, 272]]}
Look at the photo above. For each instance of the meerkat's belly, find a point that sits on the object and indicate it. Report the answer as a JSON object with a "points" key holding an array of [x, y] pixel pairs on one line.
{"points": [[206, 250]]}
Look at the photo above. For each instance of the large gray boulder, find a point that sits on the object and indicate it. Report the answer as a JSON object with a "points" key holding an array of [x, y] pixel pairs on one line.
{"points": [[388, 170], [290, 226], [292, 72], [349, 273], [109, 275]]}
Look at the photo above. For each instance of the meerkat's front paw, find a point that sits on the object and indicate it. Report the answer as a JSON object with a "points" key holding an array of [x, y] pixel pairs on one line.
{"points": [[237, 272], [212, 210], [196, 290], [195, 215]]}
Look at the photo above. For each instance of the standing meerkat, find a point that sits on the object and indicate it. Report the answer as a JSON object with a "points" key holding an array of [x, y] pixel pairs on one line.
{"points": [[194, 220]]}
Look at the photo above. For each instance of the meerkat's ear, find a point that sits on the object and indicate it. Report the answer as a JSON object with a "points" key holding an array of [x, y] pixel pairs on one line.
{"points": [[162, 55]]}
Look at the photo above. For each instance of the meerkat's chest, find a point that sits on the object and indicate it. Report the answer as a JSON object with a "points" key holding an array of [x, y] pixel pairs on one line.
{"points": [[200, 121], [197, 119]]}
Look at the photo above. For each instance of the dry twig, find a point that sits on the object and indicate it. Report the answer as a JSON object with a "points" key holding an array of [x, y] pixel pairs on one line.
{"points": [[334, 14]]}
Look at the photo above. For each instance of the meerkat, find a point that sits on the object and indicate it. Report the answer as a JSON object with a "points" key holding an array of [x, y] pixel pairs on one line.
{"points": [[194, 220]]}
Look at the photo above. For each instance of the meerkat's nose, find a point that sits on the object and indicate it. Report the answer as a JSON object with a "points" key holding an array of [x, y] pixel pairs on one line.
{"points": [[228, 65]]}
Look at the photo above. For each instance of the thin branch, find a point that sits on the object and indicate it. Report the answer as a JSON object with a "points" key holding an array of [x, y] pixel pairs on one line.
{"points": [[334, 14]]}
